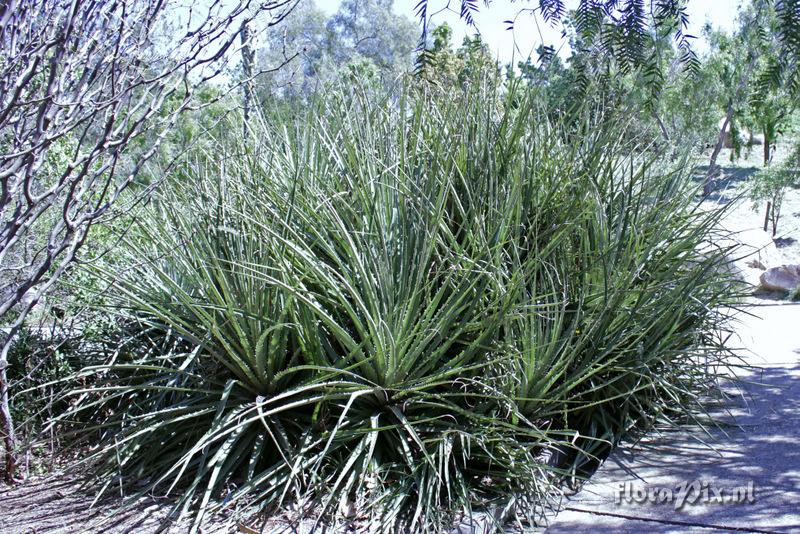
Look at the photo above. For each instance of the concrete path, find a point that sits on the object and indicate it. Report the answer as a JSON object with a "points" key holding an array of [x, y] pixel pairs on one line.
{"points": [[749, 482]]}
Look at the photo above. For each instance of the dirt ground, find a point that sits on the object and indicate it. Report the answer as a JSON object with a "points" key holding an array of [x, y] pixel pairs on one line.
{"points": [[57, 504], [758, 249]]}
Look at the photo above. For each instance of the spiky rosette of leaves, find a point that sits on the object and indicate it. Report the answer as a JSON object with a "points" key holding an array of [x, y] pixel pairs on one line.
{"points": [[400, 306]]}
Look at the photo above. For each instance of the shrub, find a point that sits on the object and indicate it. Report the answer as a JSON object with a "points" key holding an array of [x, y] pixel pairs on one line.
{"points": [[770, 184], [416, 307], [39, 358]]}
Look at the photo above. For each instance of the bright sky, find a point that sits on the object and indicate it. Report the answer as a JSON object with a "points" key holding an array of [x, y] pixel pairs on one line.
{"points": [[530, 31]]}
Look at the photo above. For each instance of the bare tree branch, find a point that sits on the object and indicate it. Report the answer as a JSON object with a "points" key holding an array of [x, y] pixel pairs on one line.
{"points": [[81, 81]]}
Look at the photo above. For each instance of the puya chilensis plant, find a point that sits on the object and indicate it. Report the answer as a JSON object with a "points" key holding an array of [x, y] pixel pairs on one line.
{"points": [[393, 310]]}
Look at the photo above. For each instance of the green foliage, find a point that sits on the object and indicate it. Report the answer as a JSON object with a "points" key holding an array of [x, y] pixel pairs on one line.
{"points": [[795, 295], [472, 63], [625, 30], [404, 305], [784, 69], [557, 86], [770, 185], [71, 328], [35, 360], [620, 30], [769, 102], [667, 107], [41, 361], [363, 36]]}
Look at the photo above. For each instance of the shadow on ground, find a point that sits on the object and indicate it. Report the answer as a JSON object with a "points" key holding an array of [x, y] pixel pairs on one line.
{"points": [[724, 186], [757, 444], [60, 505]]}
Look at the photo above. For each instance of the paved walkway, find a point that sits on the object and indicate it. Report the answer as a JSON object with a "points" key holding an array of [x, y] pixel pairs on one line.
{"points": [[749, 482]]}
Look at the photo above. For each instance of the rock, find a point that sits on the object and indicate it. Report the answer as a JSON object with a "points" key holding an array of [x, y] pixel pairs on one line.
{"points": [[753, 251], [783, 278]]}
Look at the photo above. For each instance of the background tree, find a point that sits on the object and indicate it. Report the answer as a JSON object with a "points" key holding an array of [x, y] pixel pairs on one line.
{"points": [[770, 184], [769, 114], [371, 30], [448, 67], [732, 62], [624, 29], [305, 34], [620, 27], [770, 101], [366, 36]]}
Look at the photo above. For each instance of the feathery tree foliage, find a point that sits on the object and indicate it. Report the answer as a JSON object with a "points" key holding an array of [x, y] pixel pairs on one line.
{"points": [[415, 304], [628, 30]]}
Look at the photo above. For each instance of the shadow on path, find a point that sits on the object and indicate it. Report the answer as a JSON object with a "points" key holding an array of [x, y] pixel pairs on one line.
{"points": [[757, 444], [723, 187]]}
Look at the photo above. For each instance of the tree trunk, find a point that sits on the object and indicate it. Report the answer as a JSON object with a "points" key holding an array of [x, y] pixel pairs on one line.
{"points": [[712, 166], [766, 215], [6, 421], [776, 214], [247, 67], [661, 126], [767, 141]]}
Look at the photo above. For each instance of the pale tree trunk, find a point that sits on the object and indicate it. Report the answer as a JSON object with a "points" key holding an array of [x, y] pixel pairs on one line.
{"points": [[661, 126], [6, 421], [247, 67], [712, 166]]}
